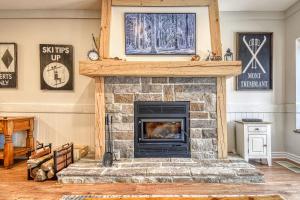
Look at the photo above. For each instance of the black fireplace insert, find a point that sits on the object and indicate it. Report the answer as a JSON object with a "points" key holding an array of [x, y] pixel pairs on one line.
{"points": [[161, 129]]}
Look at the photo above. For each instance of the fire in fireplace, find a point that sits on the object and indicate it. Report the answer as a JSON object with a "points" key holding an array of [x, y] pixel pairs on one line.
{"points": [[161, 129]]}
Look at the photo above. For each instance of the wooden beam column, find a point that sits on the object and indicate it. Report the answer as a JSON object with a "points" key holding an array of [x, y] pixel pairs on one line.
{"points": [[105, 13], [216, 46]]}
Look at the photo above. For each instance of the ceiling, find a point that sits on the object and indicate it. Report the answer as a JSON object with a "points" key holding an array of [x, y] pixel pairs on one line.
{"points": [[225, 5]]}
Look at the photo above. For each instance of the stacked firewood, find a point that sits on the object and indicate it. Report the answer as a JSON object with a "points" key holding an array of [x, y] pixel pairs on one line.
{"points": [[41, 165]]}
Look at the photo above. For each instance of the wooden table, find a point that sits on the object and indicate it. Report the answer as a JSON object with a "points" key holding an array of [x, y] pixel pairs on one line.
{"points": [[9, 126]]}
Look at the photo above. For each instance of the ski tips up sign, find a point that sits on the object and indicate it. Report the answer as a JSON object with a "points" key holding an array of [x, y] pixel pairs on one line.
{"points": [[56, 63], [255, 52]]}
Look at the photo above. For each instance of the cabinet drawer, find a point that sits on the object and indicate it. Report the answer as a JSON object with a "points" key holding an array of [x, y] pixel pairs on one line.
{"points": [[257, 129]]}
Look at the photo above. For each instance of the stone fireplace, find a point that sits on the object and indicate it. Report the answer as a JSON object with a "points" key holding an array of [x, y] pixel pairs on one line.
{"points": [[187, 133]]}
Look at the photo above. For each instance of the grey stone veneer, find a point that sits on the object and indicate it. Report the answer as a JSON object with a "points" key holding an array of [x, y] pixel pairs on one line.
{"points": [[121, 92]]}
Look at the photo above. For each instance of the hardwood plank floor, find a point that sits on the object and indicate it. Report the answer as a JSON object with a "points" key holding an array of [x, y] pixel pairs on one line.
{"points": [[14, 185]]}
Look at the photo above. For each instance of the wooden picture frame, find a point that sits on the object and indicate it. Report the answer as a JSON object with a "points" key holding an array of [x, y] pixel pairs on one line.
{"points": [[8, 65], [56, 67], [255, 50], [136, 43]]}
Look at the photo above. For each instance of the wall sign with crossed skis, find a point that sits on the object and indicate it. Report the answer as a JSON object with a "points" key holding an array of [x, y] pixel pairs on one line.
{"points": [[56, 67], [255, 52]]}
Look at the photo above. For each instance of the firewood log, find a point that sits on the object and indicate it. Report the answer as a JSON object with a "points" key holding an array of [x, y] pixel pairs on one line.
{"points": [[46, 166], [50, 173], [33, 172], [35, 162], [40, 176], [39, 153]]}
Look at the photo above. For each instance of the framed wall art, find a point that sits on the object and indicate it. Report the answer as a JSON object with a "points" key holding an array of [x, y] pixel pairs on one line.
{"points": [[56, 67], [8, 65], [160, 33], [255, 50]]}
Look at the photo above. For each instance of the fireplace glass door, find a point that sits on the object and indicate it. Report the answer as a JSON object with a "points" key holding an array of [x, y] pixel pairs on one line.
{"points": [[166, 130]]}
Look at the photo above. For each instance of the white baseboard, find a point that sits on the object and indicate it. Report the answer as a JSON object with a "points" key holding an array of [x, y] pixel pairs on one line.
{"points": [[286, 155]]}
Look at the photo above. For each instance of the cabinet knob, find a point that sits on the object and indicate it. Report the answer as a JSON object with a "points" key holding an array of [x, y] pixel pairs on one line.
{"points": [[265, 145]]}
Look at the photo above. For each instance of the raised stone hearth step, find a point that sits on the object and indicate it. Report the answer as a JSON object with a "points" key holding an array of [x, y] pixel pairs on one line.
{"points": [[162, 170]]}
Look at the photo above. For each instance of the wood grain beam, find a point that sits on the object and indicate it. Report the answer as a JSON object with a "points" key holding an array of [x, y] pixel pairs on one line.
{"points": [[105, 13], [215, 32], [160, 69], [161, 3], [221, 118]]}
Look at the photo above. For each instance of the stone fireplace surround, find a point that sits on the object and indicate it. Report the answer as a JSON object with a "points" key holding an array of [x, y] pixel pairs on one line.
{"points": [[122, 92]]}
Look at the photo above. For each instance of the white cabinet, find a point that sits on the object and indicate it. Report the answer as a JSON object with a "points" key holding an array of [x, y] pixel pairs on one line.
{"points": [[253, 140]]}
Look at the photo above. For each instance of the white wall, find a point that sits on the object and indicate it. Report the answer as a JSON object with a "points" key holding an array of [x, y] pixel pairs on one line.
{"points": [[68, 116], [61, 116], [292, 82]]}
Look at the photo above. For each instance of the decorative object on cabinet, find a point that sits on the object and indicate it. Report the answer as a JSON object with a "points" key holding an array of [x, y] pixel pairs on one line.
{"points": [[255, 52], [8, 65], [228, 55], [93, 54], [160, 33], [56, 67], [9, 126], [254, 140]]}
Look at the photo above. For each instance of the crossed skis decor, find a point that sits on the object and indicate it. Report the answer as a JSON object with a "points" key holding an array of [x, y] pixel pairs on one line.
{"points": [[255, 52]]}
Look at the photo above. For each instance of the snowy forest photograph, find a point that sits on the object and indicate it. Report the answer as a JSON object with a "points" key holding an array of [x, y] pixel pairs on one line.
{"points": [[160, 33]]}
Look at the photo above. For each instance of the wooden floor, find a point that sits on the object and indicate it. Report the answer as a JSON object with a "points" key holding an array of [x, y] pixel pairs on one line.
{"points": [[13, 185]]}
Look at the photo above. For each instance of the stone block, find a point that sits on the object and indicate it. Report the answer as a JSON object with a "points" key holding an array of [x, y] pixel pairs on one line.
{"points": [[168, 171], [209, 133], [210, 102], [123, 98], [185, 96], [159, 80], [196, 133], [127, 109], [204, 155], [122, 89], [199, 115], [148, 97], [113, 108], [201, 145], [190, 88], [128, 119], [186, 80], [196, 106], [122, 80], [203, 123], [118, 127], [123, 135], [168, 93], [151, 89], [213, 115], [109, 97], [117, 117], [123, 146]]}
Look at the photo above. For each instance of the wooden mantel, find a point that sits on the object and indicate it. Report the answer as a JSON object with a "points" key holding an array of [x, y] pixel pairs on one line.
{"points": [[108, 67]]}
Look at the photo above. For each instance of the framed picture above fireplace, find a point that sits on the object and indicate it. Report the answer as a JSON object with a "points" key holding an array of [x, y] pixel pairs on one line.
{"points": [[160, 33]]}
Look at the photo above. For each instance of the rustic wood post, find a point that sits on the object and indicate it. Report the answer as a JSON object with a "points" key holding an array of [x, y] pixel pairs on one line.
{"points": [[105, 12], [216, 45]]}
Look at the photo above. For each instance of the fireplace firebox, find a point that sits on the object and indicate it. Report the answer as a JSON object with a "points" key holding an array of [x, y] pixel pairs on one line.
{"points": [[161, 129]]}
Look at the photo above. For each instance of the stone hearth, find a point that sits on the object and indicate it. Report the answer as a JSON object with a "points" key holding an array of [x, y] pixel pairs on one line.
{"points": [[122, 92], [162, 170]]}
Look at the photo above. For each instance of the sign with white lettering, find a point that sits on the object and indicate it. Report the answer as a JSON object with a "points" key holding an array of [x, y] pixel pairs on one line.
{"points": [[56, 62], [255, 52], [8, 65]]}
